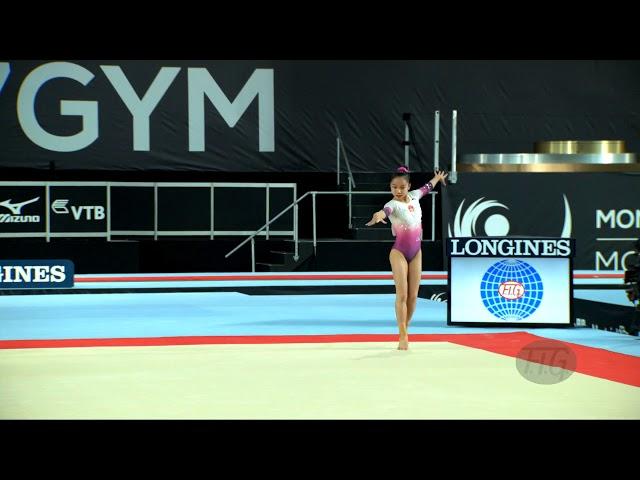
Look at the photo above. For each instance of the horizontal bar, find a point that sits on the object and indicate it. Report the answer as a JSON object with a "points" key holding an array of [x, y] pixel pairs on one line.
{"points": [[23, 235], [77, 234]]}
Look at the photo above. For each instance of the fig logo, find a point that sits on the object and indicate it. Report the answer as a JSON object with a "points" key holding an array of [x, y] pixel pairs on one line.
{"points": [[511, 290]]}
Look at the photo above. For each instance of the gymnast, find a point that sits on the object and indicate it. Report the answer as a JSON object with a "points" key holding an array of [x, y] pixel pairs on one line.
{"points": [[406, 255]]}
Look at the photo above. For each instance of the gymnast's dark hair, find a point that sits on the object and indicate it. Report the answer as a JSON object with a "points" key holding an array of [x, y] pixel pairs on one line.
{"points": [[401, 172]]}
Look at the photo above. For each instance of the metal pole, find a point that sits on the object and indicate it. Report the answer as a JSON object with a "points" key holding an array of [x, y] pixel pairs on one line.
{"points": [[155, 211], [212, 218], [108, 211], [436, 141], [47, 219], [454, 140], [314, 221], [350, 226], [338, 159], [433, 217], [295, 231], [253, 255], [346, 160], [267, 212], [406, 144], [295, 198]]}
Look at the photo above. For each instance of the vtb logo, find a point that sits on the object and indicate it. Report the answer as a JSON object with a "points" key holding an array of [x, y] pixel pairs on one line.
{"points": [[92, 212]]}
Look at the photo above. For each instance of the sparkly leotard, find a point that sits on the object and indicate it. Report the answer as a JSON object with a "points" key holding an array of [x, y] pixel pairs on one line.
{"points": [[406, 221]]}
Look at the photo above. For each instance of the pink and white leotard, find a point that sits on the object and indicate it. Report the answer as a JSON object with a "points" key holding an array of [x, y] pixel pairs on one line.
{"points": [[406, 221]]}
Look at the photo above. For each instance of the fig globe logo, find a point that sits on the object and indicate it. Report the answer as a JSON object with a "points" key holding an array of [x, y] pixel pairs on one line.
{"points": [[511, 290]]}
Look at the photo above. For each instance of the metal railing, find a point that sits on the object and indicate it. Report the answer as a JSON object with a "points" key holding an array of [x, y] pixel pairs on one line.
{"points": [[294, 205], [340, 148], [408, 131], [106, 202], [453, 174]]}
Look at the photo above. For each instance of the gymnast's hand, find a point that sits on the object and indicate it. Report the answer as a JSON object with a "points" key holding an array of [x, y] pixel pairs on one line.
{"points": [[377, 217], [439, 176]]}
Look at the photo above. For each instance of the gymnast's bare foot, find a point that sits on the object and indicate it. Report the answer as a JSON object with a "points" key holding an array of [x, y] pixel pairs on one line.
{"points": [[403, 344]]}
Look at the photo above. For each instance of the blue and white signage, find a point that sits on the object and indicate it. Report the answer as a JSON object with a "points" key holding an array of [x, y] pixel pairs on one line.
{"points": [[530, 287], [36, 274]]}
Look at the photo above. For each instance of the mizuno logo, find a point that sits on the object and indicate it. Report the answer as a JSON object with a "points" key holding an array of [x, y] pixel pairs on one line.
{"points": [[16, 207]]}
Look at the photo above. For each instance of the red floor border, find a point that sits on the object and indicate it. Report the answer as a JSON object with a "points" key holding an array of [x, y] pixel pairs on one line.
{"points": [[595, 362]]}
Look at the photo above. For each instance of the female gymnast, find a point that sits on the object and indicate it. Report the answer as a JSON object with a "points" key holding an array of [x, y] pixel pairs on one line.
{"points": [[406, 255]]}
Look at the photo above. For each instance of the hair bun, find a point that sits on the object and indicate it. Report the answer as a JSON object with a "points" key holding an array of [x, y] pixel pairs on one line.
{"points": [[402, 170]]}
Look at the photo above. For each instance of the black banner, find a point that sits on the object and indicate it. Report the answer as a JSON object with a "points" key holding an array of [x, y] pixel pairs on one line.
{"points": [[278, 116], [184, 209], [22, 209], [601, 211], [132, 208], [78, 209]]}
